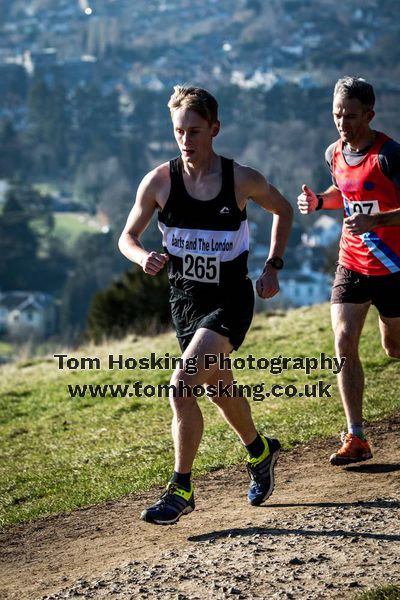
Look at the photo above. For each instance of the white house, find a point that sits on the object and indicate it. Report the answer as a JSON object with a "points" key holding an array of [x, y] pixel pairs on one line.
{"points": [[299, 288], [4, 187], [305, 287], [25, 315], [325, 231]]}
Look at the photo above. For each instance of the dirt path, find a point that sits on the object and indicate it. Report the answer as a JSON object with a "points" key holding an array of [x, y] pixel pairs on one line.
{"points": [[327, 532]]}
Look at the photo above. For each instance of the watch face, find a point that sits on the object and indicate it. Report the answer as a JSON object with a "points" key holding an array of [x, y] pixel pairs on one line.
{"points": [[276, 262]]}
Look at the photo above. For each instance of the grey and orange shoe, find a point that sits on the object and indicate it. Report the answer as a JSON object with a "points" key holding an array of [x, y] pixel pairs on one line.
{"points": [[354, 450]]}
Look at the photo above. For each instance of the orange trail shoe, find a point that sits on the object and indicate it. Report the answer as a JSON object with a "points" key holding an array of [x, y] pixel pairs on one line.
{"points": [[354, 449]]}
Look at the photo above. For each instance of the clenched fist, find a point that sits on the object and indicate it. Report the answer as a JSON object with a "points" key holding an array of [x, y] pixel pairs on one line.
{"points": [[154, 262], [358, 223]]}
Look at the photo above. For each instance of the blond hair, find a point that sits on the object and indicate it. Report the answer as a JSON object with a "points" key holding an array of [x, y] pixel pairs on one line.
{"points": [[196, 99]]}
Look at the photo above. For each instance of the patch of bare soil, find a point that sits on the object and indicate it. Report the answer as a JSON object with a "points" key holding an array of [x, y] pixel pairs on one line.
{"points": [[327, 532]]}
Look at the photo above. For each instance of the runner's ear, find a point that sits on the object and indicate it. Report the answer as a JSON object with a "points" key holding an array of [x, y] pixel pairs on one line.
{"points": [[370, 115], [215, 128]]}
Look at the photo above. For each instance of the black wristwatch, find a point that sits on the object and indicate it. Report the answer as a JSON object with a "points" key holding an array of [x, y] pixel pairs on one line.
{"points": [[320, 202], [276, 262]]}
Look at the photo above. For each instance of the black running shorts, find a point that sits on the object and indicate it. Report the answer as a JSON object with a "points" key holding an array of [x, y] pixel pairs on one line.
{"points": [[229, 314], [355, 288]]}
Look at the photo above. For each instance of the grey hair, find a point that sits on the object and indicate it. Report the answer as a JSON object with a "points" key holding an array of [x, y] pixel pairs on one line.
{"points": [[356, 87]]}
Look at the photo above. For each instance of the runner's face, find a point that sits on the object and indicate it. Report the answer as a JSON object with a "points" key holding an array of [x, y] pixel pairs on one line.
{"points": [[351, 119], [193, 134]]}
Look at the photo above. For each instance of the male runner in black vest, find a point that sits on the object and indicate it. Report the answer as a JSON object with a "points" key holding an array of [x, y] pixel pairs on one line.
{"points": [[201, 201]]}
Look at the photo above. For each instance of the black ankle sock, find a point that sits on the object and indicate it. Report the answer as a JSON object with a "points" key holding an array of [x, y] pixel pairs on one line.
{"points": [[182, 479], [256, 448]]}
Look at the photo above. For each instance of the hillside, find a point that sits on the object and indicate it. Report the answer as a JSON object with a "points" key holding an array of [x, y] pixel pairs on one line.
{"points": [[61, 453], [325, 534], [105, 454], [272, 66]]}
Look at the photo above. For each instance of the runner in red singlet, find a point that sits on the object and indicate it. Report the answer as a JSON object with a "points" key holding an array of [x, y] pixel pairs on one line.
{"points": [[365, 167]]}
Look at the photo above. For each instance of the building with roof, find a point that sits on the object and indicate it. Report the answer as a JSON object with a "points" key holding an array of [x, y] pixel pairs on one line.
{"points": [[305, 287], [27, 315], [298, 287], [325, 231]]}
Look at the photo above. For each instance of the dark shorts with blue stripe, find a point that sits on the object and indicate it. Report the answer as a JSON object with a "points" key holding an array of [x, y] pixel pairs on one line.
{"points": [[355, 288], [229, 314]]}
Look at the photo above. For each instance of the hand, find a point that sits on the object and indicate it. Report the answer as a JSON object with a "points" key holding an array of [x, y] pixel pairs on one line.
{"points": [[267, 285], [358, 223], [154, 262], [307, 201]]}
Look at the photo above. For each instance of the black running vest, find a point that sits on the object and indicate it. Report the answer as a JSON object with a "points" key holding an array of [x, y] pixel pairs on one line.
{"points": [[207, 240]]}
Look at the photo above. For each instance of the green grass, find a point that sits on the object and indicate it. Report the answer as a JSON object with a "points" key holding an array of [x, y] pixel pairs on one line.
{"points": [[59, 453], [389, 592], [69, 226], [6, 348], [45, 188]]}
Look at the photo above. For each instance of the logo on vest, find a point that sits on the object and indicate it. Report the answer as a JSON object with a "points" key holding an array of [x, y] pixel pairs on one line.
{"points": [[224, 211], [369, 185]]}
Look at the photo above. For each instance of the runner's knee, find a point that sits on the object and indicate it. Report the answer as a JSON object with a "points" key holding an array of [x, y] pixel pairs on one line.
{"points": [[220, 402], [391, 347], [180, 393], [346, 342]]}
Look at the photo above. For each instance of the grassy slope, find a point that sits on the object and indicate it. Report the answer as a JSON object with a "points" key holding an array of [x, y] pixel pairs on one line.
{"points": [[69, 226], [390, 592], [5, 348], [59, 453]]}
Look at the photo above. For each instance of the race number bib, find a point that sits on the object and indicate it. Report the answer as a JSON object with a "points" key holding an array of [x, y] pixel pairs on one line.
{"points": [[365, 207], [200, 267]]}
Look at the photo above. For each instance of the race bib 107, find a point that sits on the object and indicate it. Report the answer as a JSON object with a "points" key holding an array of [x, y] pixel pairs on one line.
{"points": [[365, 207]]}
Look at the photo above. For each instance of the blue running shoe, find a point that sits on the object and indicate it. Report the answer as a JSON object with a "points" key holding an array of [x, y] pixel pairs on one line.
{"points": [[175, 502], [261, 471]]}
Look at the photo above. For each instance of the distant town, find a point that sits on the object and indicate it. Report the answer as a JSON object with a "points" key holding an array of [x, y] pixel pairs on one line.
{"points": [[154, 44], [83, 93]]}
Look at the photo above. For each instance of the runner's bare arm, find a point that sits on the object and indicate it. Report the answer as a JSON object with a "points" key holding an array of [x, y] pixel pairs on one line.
{"points": [[359, 223], [139, 218], [308, 200], [254, 186]]}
